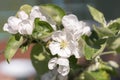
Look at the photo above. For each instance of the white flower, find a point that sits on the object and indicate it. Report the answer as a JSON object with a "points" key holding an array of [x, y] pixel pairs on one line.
{"points": [[71, 23], [22, 24], [64, 45], [25, 27], [22, 15], [63, 63], [12, 25]]}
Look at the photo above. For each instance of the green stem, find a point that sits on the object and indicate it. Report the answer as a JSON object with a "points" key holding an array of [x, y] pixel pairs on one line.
{"points": [[109, 52]]}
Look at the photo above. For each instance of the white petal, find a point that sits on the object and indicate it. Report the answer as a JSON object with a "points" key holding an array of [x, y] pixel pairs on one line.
{"points": [[82, 23], [59, 36], [35, 8], [25, 27], [63, 68], [52, 63], [63, 61], [69, 35], [87, 31], [78, 34], [71, 24], [22, 15], [85, 28], [35, 13], [65, 52], [13, 22], [7, 28], [75, 49], [77, 53], [54, 47], [70, 21]]}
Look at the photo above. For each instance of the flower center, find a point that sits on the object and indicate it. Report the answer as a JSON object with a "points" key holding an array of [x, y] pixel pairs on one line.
{"points": [[63, 44]]}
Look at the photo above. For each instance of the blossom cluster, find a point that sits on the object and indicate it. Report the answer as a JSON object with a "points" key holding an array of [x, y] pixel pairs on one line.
{"points": [[24, 23], [63, 43]]}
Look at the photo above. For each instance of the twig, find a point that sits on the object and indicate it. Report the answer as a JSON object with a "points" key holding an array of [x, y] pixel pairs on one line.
{"points": [[109, 52]]}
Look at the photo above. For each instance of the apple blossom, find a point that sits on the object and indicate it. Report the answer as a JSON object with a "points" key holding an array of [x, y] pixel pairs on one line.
{"points": [[25, 27], [19, 24], [63, 63], [76, 27], [12, 25], [64, 45]]}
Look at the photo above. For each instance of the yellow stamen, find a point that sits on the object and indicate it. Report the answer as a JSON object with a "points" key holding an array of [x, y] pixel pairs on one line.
{"points": [[63, 44]]}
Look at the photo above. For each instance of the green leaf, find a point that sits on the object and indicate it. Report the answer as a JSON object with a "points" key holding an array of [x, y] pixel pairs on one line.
{"points": [[105, 66], [39, 59], [42, 29], [53, 11], [27, 8], [114, 26], [97, 15], [114, 43], [94, 75], [85, 76], [12, 46], [99, 52], [73, 64], [89, 51], [94, 41], [103, 32], [97, 75], [93, 48]]}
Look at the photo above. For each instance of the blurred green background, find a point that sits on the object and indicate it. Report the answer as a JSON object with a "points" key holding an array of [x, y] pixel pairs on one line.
{"points": [[110, 8]]}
